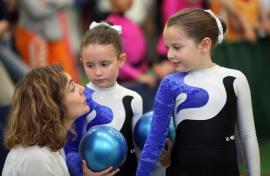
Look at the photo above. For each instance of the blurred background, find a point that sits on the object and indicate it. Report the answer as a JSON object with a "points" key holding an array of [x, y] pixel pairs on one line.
{"points": [[41, 32]]}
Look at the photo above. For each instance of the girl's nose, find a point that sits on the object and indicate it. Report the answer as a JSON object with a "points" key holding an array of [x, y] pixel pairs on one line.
{"points": [[98, 71], [170, 54]]}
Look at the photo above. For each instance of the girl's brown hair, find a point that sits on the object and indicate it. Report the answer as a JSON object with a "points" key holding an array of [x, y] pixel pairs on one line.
{"points": [[197, 24], [37, 112], [104, 35]]}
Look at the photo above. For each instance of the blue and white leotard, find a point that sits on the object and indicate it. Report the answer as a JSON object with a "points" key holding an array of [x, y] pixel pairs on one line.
{"points": [[117, 107], [206, 105]]}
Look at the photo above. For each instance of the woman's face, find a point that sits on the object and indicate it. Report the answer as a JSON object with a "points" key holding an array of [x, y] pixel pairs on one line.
{"points": [[74, 100]]}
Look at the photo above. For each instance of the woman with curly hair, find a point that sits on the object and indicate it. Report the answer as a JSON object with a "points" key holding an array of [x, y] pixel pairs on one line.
{"points": [[45, 104]]}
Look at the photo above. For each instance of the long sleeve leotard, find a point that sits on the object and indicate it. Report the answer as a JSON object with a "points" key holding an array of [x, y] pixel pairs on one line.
{"points": [[207, 106]]}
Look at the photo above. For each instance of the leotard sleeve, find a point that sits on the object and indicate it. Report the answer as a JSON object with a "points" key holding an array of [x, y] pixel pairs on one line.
{"points": [[246, 127], [163, 107], [137, 108]]}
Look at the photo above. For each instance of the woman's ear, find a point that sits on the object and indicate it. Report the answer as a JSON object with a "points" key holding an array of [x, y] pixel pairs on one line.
{"points": [[205, 45], [122, 59]]}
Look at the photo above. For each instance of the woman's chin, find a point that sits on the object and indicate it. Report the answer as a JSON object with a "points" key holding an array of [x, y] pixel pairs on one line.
{"points": [[86, 109]]}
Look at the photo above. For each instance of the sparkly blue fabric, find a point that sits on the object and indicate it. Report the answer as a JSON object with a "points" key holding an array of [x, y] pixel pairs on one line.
{"points": [[169, 89], [193, 93], [104, 114]]}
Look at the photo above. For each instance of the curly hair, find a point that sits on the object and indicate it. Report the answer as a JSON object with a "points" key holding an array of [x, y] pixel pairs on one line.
{"points": [[37, 112]]}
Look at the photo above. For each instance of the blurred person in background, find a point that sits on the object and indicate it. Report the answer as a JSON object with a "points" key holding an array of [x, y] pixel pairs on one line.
{"points": [[168, 7], [12, 62], [41, 36], [12, 68], [135, 73], [265, 18], [6, 81], [244, 18]]}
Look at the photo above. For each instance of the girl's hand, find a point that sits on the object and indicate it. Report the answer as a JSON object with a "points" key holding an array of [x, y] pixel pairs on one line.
{"points": [[107, 172], [163, 69], [165, 157], [147, 79]]}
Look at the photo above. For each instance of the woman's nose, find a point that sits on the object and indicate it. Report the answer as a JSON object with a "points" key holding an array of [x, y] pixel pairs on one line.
{"points": [[81, 89]]}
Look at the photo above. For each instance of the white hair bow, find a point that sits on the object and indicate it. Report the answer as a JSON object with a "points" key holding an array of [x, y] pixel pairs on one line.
{"points": [[220, 28], [94, 24]]}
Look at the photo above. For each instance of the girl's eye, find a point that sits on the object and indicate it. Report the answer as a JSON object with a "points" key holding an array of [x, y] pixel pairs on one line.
{"points": [[89, 65], [105, 64], [176, 48]]}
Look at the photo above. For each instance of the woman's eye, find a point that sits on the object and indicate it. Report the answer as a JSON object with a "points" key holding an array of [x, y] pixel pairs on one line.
{"points": [[72, 88]]}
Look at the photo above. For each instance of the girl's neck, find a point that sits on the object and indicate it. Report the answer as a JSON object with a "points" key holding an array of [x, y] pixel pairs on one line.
{"points": [[205, 69], [104, 88], [205, 64]]}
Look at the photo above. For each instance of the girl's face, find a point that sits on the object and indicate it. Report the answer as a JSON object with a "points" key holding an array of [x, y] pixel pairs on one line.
{"points": [[184, 54], [74, 100], [101, 64], [119, 6]]}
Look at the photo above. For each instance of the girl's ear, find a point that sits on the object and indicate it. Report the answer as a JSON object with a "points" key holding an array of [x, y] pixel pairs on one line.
{"points": [[81, 59], [205, 45], [122, 59]]}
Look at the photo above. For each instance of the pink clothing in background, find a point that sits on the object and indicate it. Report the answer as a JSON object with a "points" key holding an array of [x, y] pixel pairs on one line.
{"points": [[134, 46], [168, 8]]}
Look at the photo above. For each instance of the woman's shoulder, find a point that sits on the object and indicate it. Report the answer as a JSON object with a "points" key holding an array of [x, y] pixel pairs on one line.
{"points": [[32, 160], [20, 156], [34, 152]]}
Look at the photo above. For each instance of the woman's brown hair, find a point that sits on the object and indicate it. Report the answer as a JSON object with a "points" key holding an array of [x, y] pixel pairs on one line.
{"points": [[37, 112]]}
